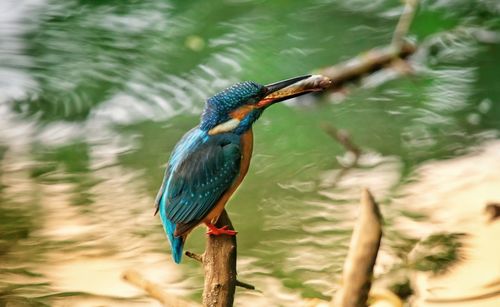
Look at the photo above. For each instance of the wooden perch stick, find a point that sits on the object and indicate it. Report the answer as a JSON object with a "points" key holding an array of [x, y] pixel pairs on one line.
{"points": [[219, 262], [363, 250], [155, 291]]}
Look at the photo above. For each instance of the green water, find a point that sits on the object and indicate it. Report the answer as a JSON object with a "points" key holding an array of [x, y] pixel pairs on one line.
{"points": [[95, 94]]}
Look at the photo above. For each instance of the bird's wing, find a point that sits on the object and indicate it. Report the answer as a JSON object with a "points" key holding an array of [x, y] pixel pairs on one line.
{"points": [[198, 181]]}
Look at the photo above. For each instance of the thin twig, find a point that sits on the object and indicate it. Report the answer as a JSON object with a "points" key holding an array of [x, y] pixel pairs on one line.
{"points": [[404, 23], [194, 256], [244, 285], [344, 139]]}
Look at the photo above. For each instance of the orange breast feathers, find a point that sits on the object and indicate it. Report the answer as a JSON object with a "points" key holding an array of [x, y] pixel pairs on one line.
{"points": [[246, 156]]}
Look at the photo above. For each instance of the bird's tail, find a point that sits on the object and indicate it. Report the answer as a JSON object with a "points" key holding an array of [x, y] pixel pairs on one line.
{"points": [[176, 243]]}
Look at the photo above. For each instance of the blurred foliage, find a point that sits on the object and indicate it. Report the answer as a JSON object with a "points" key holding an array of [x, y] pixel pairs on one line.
{"points": [[15, 224], [437, 253]]}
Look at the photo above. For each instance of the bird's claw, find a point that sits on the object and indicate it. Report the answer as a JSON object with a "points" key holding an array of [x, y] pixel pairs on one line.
{"points": [[213, 230]]}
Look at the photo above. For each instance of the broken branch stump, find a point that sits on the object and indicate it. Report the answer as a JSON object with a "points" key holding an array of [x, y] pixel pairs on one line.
{"points": [[363, 250]]}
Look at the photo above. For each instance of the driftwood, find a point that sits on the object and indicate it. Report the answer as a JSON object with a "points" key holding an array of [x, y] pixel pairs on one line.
{"points": [[155, 291], [363, 250]]}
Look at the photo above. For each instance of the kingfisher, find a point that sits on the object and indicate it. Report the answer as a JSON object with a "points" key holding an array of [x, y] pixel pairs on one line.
{"points": [[210, 161]]}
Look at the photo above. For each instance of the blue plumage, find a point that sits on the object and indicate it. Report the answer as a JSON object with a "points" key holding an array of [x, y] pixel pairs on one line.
{"points": [[201, 169], [198, 180], [176, 243], [218, 106]]}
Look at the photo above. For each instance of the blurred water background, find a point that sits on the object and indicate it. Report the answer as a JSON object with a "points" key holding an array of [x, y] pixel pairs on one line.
{"points": [[94, 94]]}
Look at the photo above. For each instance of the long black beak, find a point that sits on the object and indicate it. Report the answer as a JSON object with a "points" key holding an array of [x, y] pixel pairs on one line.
{"points": [[293, 87], [276, 86]]}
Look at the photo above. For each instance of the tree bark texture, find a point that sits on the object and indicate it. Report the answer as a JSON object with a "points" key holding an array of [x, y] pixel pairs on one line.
{"points": [[219, 262]]}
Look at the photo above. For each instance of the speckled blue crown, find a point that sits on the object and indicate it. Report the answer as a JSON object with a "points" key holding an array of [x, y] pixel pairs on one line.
{"points": [[218, 106]]}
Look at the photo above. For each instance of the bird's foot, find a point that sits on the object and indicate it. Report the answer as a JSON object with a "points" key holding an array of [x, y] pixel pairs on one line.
{"points": [[213, 230]]}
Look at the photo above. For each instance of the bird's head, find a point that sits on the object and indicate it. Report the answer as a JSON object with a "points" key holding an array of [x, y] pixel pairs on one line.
{"points": [[236, 108]]}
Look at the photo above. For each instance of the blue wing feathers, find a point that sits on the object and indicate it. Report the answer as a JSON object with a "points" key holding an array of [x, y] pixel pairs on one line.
{"points": [[200, 170], [176, 243], [207, 170]]}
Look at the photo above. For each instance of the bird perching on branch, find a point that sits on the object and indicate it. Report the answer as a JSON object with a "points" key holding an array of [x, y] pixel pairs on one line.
{"points": [[210, 161]]}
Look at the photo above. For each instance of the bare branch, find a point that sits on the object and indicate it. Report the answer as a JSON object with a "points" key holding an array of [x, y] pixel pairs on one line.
{"points": [[404, 23], [244, 285], [373, 60], [155, 291], [194, 256], [344, 139], [363, 250]]}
